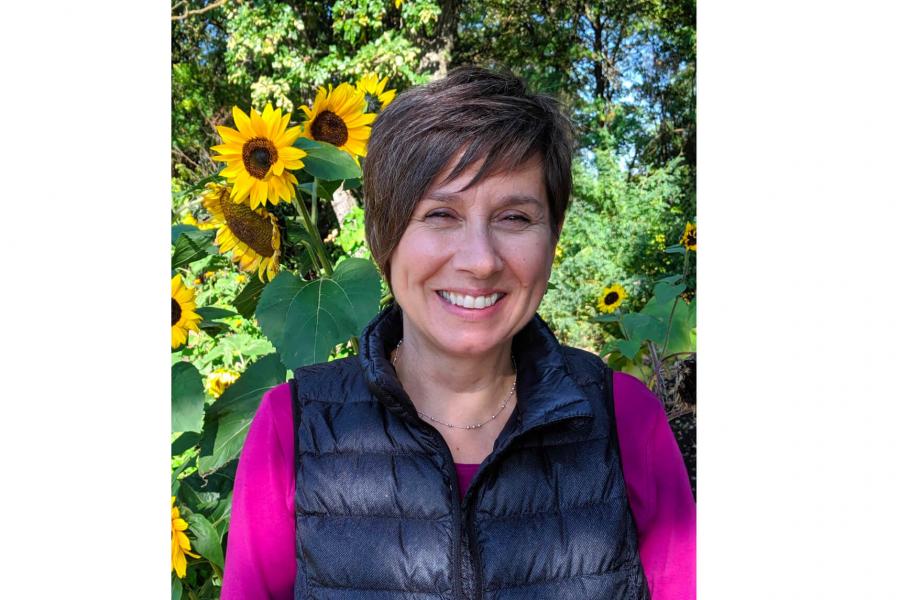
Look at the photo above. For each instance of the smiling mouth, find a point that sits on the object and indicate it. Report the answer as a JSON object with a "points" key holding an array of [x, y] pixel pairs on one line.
{"points": [[474, 302]]}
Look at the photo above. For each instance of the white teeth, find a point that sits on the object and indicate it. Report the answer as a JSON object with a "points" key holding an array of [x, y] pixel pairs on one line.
{"points": [[470, 301]]}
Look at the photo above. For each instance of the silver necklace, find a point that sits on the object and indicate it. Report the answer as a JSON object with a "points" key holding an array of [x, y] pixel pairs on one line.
{"points": [[450, 425]]}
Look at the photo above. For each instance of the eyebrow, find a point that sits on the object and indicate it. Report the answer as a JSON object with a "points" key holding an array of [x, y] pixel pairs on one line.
{"points": [[508, 200]]}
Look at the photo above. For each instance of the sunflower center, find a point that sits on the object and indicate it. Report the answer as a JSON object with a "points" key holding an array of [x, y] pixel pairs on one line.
{"points": [[249, 227], [176, 311], [610, 298], [328, 127], [691, 238], [259, 154]]}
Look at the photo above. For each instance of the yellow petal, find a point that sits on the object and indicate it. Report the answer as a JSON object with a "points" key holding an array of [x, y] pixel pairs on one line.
{"points": [[243, 122], [230, 135]]}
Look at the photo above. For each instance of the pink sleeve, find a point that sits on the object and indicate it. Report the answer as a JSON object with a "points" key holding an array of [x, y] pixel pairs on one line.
{"points": [[658, 490], [260, 561]]}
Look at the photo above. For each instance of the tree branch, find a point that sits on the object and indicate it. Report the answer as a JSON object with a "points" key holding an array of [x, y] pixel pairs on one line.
{"points": [[199, 11]]}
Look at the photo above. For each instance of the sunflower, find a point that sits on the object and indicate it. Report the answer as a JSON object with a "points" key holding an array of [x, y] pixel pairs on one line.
{"points": [[611, 298], [339, 117], [219, 381], [689, 237], [252, 234], [258, 154], [181, 545], [374, 90], [183, 315]]}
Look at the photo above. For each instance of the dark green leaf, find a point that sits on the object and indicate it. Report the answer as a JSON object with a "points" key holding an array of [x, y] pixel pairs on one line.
{"points": [[184, 442], [327, 162], [642, 327], [176, 587], [177, 230], [245, 301], [352, 184], [673, 279], [228, 419], [325, 189], [664, 292], [187, 398], [213, 328], [191, 246], [210, 313], [676, 249], [207, 542], [306, 320]]}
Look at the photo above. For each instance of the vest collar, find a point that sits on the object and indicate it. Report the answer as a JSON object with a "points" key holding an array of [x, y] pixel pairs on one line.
{"points": [[546, 390]]}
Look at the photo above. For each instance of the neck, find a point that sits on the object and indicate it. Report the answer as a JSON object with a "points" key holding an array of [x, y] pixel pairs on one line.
{"points": [[461, 390]]}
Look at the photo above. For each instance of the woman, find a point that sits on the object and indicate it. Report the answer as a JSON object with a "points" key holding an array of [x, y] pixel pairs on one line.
{"points": [[464, 453]]}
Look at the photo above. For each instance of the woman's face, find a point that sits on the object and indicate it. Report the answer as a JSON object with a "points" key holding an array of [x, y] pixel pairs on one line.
{"points": [[472, 266]]}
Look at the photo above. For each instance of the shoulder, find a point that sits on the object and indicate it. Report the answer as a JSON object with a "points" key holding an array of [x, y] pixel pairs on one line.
{"points": [[638, 410], [339, 380], [586, 367]]}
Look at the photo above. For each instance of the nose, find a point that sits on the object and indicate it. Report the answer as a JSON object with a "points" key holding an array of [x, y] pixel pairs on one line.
{"points": [[477, 252]]}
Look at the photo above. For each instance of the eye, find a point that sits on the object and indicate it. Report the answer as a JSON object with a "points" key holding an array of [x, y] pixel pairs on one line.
{"points": [[516, 219], [439, 214]]}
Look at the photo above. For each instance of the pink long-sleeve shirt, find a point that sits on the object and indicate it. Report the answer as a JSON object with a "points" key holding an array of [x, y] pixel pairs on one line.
{"points": [[261, 561]]}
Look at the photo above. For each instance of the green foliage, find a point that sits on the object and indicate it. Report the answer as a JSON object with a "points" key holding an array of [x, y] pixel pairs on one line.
{"points": [[305, 320], [327, 163], [227, 420], [187, 398]]}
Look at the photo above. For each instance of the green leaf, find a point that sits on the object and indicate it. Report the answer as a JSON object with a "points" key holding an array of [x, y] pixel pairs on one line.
{"points": [[640, 327], [187, 398], [191, 246], [676, 249], [210, 313], [325, 189], [628, 348], [228, 419], [177, 230], [673, 279], [184, 442], [605, 318], [327, 162], [176, 587], [680, 331], [213, 328], [207, 543], [664, 292], [306, 320], [245, 301]]}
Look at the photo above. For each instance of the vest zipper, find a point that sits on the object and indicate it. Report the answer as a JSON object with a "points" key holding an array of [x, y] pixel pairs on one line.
{"points": [[455, 505], [474, 554]]}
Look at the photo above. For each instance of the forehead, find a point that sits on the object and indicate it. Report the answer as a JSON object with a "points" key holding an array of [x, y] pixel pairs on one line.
{"points": [[524, 182]]}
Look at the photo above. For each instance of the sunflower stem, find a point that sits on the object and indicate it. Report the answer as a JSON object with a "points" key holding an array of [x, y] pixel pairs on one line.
{"points": [[661, 391], [315, 202], [313, 232], [684, 271]]}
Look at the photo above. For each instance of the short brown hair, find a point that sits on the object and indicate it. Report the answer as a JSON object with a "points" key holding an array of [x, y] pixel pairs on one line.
{"points": [[490, 114]]}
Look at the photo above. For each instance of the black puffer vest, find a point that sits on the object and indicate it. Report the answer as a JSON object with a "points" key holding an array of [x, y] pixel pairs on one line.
{"points": [[377, 501]]}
